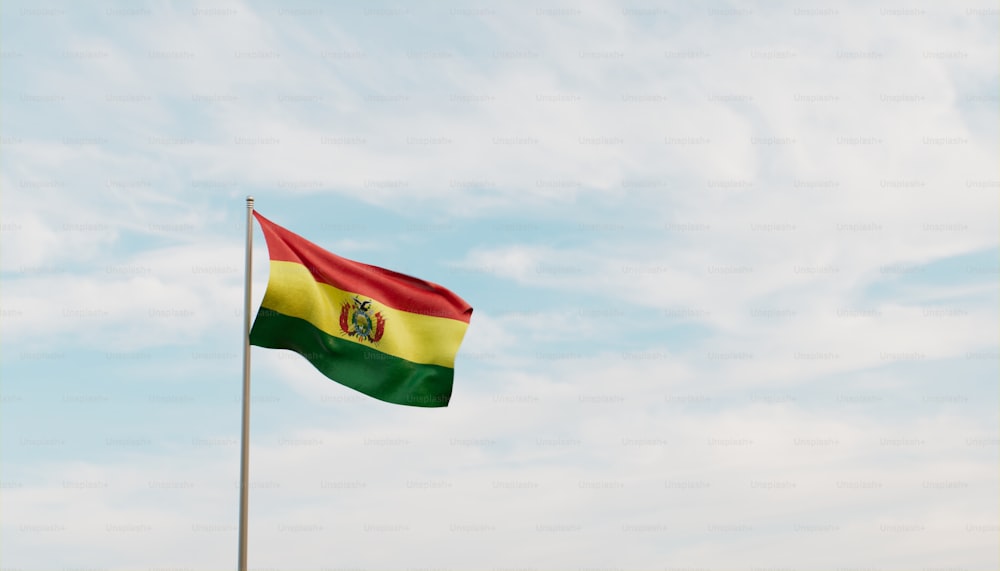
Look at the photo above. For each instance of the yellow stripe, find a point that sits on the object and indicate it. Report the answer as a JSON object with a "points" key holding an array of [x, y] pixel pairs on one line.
{"points": [[293, 291]]}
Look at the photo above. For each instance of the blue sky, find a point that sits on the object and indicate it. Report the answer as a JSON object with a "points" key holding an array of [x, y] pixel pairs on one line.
{"points": [[734, 269]]}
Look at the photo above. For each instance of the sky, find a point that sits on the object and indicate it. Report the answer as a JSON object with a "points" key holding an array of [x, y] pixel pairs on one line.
{"points": [[734, 268]]}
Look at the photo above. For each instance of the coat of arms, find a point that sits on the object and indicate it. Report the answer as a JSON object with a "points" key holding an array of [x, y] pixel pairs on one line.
{"points": [[358, 319]]}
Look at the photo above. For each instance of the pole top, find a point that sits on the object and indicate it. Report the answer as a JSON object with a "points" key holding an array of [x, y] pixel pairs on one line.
{"points": [[249, 201]]}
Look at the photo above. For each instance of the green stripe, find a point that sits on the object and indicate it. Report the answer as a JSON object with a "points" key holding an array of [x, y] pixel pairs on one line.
{"points": [[362, 368]]}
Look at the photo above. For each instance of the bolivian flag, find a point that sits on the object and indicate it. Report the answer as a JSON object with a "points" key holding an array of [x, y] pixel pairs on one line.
{"points": [[386, 334]]}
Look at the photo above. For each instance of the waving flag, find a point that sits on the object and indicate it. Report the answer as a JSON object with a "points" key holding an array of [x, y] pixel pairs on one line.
{"points": [[385, 334]]}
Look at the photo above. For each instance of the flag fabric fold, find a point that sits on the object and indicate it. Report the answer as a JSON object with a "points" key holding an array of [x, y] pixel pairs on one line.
{"points": [[386, 334]]}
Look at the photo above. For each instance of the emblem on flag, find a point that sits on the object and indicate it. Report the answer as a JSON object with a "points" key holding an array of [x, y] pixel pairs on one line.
{"points": [[358, 320]]}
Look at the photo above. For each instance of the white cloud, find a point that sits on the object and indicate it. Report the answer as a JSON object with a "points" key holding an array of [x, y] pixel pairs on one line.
{"points": [[166, 297], [444, 495]]}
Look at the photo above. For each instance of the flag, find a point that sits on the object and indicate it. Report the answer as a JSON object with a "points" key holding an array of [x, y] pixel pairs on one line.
{"points": [[380, 332]]}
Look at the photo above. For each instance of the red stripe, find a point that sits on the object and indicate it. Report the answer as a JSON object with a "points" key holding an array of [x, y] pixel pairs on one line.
{"points": [[394, 289]]}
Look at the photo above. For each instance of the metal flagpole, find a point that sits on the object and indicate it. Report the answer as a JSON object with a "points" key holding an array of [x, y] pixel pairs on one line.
{"points": [[245, 437]]}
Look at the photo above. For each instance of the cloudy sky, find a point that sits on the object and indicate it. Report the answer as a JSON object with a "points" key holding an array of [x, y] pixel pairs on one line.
{"points": [[734, 269]]}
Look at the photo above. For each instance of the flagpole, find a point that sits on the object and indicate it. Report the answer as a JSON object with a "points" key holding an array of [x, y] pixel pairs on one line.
{"points": [[245, 436]]}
